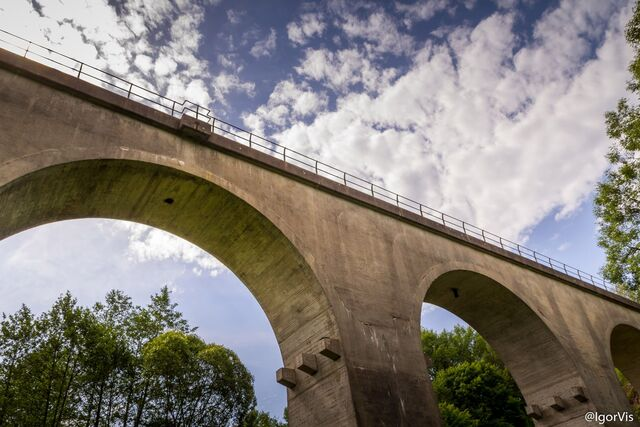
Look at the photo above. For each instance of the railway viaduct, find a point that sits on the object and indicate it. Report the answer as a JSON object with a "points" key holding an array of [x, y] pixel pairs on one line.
{"points": [[340, 273]]}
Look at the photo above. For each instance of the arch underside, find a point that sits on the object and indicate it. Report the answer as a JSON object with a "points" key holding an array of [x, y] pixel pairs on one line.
{"points": [[202, 213], [538, 362], [625, 352]]}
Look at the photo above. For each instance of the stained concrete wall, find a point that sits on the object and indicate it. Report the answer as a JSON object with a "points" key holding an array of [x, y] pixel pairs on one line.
{"points": [[625, 352], [322, 260]]}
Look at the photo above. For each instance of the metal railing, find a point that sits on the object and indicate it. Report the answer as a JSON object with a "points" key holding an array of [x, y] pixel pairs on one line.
{"points": [[130, 90]]}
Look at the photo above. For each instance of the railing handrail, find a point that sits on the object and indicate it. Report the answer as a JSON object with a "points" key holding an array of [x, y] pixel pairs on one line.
{"points": [[175, 108]]}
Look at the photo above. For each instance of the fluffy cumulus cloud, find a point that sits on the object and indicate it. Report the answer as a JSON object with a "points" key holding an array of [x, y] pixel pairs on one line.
{"points": [[227, 82], [379, 32], [147, 244], [425, 10], [308, 26], [288, 103], [484, 125], [420, 11], [344, 69], [155, 43], [265, 46]]}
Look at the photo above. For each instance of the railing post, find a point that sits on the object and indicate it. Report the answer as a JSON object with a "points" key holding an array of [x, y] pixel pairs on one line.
{"points": [[316, 167], [500, 240], [419, 204], [284, 154], [443, 222], [565, 268], [345, 177], [130, 89], [535, 257], [518, 247], [197, 111], [27, 50], [80, 70], [372, 194], [464, 229], [250, 135], [173, 108], [397, 200]]}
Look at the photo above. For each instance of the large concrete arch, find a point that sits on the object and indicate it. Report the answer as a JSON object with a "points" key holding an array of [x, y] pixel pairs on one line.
{"points": [[625, 352], [203, 213], [536, 359]]}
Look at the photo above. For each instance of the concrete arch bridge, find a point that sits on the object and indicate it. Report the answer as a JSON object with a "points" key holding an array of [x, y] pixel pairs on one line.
{"points": [[340, 273]]}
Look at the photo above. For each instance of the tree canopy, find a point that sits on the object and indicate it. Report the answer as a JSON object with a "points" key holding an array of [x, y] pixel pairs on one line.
{"points": [[617, 201], [117, 364], [450, 348], [473, 387]]}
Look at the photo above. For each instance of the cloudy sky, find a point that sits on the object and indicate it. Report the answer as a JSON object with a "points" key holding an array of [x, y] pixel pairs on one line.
{"points": [[491, 111]]}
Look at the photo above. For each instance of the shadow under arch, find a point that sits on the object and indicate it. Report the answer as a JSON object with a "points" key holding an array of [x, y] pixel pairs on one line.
{"points": [[625, 352], [199, 211], [537, 361]]}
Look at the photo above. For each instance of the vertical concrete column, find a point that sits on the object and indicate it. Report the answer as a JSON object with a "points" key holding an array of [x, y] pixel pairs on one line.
{"points": [[386, 368]]}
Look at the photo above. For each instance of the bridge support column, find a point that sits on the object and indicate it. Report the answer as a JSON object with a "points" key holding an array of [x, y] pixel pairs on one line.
{"points": [[385, 365]]}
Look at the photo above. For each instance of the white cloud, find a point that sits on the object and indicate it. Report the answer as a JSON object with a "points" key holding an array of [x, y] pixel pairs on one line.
{"points": [[309, 25], [421, 10], [428, 308], [234, 16], [481, 127], [425, 10], [147, 244], [226, 83], [152, 42], [379, 32], [287, 103], [343, 69], [506, 4], [229, 61], [89, 257], [165, 65], [264, 47], [144, 63]]}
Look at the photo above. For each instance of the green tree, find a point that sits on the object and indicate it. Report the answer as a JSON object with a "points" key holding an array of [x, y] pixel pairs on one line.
{"points": [[449, 348], [117, 364], [631, 393], [257, 418], [454, 417], [18, 336], [195, 383], [473, 386], [483, 390], [617, 201]]}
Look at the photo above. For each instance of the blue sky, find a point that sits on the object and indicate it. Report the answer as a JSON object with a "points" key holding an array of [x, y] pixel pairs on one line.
{"points": [[491, 111]]}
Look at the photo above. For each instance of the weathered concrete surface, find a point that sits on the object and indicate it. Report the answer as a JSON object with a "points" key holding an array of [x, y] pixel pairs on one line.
{"points": [[625, 352], [323, 260]]}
